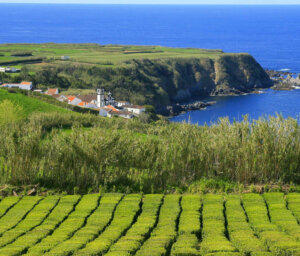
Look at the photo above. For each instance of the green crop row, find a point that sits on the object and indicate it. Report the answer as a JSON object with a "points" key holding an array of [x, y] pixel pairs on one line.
{"points": [[278, 242], [34, 218], [96, 223], [136, 235], [59, 214], [293, 203], [124, 216], [189, 227], [164, 233], [75, 221], [17, 213], [6, 203], [213, 235], [280, 215], [240, 232]]}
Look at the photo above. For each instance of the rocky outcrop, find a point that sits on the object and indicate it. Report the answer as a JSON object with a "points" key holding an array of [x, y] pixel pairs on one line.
{"points": [[229, 74]]}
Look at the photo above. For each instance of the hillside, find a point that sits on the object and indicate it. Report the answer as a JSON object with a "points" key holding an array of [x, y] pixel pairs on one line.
{"points": [[152, 224], [151, 75], [28, 105]]}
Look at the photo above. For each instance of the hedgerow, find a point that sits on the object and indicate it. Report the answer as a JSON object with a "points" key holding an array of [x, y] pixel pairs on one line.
{"points": [[189, 227], [280, 215], [135, 236], [164, 234], [34, 218], [17, 213], [278, 242], [214, 231], [59, 214], [6, 203], [239, 230], [293, 203], [74, 221], [125, 214], [96, 223]]}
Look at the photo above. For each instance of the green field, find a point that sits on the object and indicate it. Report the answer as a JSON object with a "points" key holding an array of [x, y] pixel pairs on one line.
{"points": [[28, 105], [105, 55], [151, 224]]}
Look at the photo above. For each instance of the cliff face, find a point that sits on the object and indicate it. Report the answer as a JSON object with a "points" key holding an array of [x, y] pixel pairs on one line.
{"points": [[178, 80], [239, 73]]}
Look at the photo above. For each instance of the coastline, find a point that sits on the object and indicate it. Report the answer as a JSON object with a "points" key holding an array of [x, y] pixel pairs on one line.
{"points": [[177, 109], [282, 80]]}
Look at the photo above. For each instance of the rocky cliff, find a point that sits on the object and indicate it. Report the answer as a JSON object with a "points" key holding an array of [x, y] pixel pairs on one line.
{"points": [[180, 80]]}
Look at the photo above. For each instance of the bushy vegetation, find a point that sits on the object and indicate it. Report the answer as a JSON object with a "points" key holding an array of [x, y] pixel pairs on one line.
{"points": [[64, 151], [152, 224]]}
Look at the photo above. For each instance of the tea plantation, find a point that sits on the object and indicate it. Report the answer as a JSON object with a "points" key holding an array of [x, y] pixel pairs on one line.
{"points": [[152, 224]]}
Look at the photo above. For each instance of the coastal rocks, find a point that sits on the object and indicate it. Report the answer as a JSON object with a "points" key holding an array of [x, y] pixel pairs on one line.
{"points": [[176, 109], [285, 80]]}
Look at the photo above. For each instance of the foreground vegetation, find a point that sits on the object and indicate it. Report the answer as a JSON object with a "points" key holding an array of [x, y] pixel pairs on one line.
{"points": [[64, 150], [151, 224]]}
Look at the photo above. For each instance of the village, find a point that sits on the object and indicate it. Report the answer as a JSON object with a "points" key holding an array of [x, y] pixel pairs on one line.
{"points": [[100, 101]]}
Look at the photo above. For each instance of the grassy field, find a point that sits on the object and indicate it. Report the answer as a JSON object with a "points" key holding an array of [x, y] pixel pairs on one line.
{"points": [[28, 105], [151, 224], [103, 55]]}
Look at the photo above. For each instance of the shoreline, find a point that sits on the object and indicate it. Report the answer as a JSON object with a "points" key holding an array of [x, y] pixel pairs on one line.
{"points": [[203, 104], [282, 80]]}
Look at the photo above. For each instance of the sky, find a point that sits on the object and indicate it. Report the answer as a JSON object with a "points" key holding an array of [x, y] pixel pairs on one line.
{"points": [[155, 1]]}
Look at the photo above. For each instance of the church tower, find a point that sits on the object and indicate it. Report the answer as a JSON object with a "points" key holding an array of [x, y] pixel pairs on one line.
{"points": [[100, 98]]}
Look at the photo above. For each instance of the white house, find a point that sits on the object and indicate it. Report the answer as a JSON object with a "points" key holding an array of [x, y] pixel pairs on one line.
{"points": [[2, 69], [24, 86], [73, 100], [65, 57], [122, 103], [135, 109], [105, 112], [123, 114]]}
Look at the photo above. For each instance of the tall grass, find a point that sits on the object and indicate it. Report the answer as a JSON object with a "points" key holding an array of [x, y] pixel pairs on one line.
{"points": [[65, 150]]}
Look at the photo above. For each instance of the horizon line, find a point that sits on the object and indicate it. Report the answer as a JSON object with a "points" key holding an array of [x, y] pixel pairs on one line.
{"points": [[204, 4]]}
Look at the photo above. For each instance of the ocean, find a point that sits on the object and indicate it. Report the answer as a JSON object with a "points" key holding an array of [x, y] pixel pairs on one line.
{"points": [[270, 33]]}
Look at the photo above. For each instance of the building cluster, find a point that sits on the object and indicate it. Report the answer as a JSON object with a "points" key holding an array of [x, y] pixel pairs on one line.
{"points": [[9, 70], [103, 102]]}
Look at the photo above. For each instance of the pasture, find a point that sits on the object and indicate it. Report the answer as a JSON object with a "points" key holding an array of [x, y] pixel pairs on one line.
{"points": [[101, 55], [151, 224]]}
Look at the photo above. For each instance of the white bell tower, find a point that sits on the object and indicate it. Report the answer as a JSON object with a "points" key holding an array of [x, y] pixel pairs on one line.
{"points": [[100, 98]]}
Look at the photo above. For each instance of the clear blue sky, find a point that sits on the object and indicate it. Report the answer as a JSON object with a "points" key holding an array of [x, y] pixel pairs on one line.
{"points": [[157, 1]]}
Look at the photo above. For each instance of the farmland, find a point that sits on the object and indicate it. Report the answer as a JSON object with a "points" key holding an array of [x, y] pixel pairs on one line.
{"points": [[103, 55], [151, 224]]}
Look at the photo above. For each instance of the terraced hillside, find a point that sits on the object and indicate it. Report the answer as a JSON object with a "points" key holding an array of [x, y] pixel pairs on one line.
{"points": [[135, 224]]}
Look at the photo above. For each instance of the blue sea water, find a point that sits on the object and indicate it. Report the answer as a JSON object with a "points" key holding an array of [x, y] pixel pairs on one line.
{"points": [[270, 33]]}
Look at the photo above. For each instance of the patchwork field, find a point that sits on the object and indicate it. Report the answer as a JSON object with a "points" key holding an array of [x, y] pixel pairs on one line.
{"points": [[103, 55], [152, 224]]}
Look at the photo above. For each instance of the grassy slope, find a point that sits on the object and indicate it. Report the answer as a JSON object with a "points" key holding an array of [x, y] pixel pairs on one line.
{"points": [[28, 104]]}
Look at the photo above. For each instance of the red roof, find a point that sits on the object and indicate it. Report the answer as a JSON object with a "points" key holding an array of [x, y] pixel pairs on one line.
{"points": [[82, 103], [26, 83], [71, 98], [112, 108]]}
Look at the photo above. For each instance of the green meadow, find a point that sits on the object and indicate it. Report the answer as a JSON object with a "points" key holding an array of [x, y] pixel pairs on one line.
{"points": [[103, 55]]}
